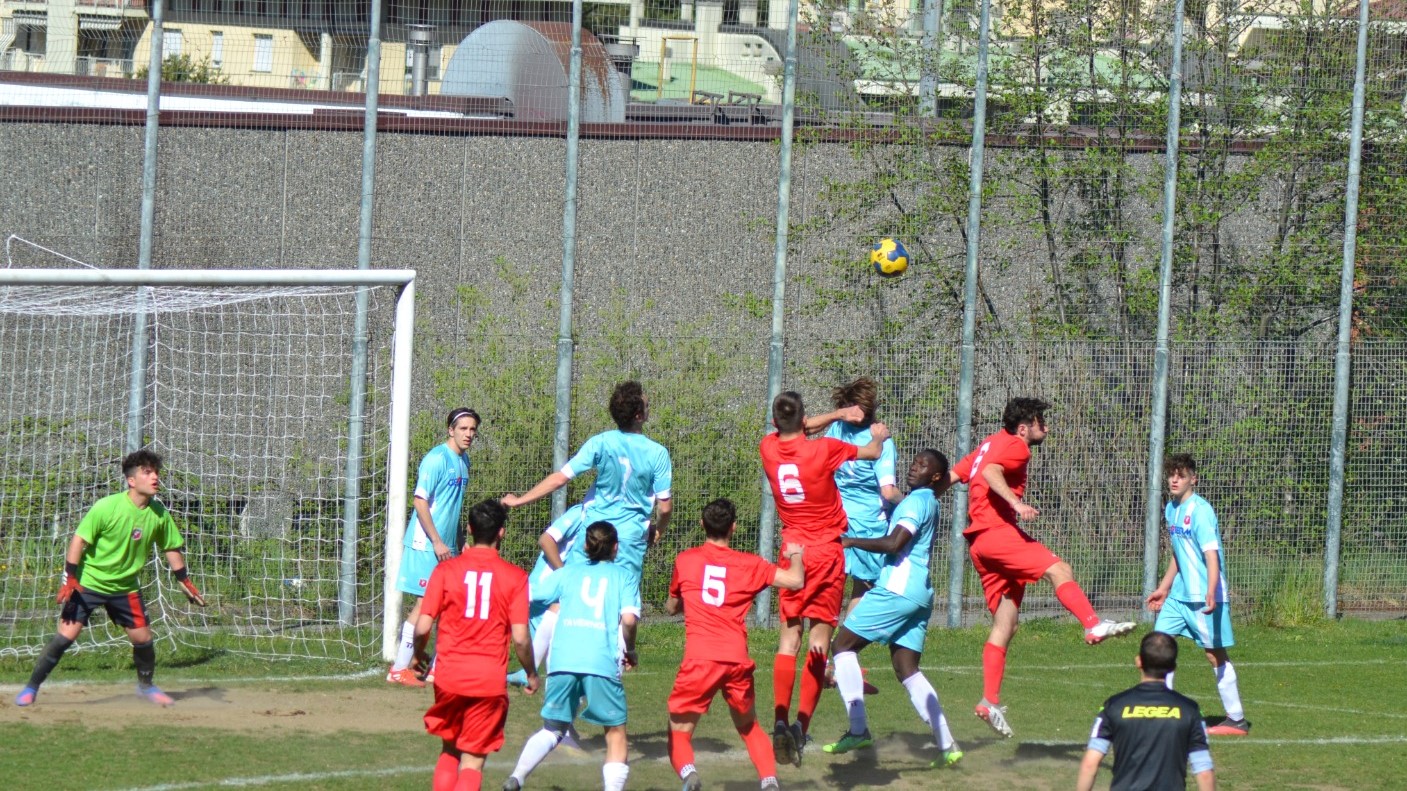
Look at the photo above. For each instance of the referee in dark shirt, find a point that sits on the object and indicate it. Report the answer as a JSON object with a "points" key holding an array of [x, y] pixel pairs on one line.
{"points": [[1155, 732]]}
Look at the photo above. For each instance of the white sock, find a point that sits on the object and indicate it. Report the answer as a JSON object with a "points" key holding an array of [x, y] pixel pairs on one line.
{"points": [[851, 684], [613, 776], [1169, 680], [930, 710], [537, 748], [542, 638], [1230, 694], [687, 770], [406, 651]]}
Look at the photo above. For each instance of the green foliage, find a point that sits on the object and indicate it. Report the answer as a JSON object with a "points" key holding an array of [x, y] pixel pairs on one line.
{"points": [[184, 68]]}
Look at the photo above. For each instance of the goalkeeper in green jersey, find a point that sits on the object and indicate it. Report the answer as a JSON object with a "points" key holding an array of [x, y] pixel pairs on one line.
{"points": [[107, 553]]}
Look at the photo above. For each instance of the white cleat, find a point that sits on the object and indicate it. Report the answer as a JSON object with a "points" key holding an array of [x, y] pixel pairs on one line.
{"points": [[1106, 629]]}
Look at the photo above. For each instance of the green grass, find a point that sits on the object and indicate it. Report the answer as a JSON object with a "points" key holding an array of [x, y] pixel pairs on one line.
{"points": [[1327, 702]]}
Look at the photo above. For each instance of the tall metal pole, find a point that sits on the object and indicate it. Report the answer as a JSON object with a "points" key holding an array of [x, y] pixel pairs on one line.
{"points": [[957, 556], [767, 533], [565, 347], [1158, 429], [351, 498], [931, 56], [1338, 442], [137, 381]]}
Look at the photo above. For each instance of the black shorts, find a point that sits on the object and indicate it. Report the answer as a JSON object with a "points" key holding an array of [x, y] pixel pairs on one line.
{"points": [[124, 609]]}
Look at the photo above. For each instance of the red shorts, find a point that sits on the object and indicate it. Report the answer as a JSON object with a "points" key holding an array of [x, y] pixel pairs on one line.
{"points": [[699, 680], [474, 725], [820, 599], [1007, 559]]}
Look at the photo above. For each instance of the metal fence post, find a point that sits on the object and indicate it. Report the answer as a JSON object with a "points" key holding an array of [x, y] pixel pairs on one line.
{"points": [[1338, 442]]}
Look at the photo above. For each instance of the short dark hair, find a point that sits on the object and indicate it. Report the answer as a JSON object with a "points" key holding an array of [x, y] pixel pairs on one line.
{"points": [[627, 402], [1020, 411], [600, 541], [718, 518], [1180, 462], [863, 393], [486, 519], [937, 456], [459, 412], [1158, 654], [139, 459], [788, 412]]}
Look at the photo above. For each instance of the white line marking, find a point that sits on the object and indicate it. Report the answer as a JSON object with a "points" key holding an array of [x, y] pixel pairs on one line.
{"points": [[1127, 665], [174, 679], [1220, 742], [1336, 709]]}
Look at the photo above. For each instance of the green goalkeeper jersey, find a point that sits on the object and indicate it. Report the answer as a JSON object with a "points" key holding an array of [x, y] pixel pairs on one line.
{"points": [[120, 537]]}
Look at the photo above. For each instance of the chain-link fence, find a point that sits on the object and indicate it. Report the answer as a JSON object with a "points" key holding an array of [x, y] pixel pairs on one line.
{"points": [[672, 211]]}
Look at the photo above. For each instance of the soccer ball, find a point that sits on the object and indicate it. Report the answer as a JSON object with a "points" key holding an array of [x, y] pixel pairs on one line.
{"points": [[889, 258]]}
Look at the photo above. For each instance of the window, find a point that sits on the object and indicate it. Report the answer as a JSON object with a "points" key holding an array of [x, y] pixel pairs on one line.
{"points": [[263, 53], [170, 43], [217, 48]]}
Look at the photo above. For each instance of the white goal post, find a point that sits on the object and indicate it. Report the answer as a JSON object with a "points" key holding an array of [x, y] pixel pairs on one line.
{"points": [[247, 371]]}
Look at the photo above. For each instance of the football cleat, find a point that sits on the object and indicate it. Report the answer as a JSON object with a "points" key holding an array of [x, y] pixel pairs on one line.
{"points": [[405, 678], [770, 782], [849, 741], [782, 744], [799, 737], [512, 784], [950, 759], [994, 716], [1106, 629], [154, 694], [1230, 727], [26, 696], [692, 782], [518, 678]]}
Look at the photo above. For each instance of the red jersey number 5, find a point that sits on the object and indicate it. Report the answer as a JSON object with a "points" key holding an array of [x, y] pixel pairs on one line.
{"points": [[713, 590]]}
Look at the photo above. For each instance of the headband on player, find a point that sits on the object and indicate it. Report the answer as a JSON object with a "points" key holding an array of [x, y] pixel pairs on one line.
{"points": [[455, 415]]}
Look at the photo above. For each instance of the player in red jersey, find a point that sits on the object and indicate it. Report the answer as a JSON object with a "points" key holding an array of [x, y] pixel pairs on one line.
{"points": [[480, 602], [714, 585], [802, 475], [1005, 557]]}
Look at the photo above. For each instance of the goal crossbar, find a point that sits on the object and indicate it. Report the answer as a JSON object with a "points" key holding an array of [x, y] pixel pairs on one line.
{"points": [[399, 440]]}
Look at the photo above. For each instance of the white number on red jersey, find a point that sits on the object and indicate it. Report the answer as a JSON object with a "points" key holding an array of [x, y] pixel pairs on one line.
{"points": [[789, 482], [713, 591], [478, 594], [977, 462]]}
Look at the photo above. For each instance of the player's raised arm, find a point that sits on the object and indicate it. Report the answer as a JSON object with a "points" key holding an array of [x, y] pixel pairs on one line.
{"points": [[551, 553], [793, 577], [878, 434], [544, 487], [176, 561], [819, 423]]}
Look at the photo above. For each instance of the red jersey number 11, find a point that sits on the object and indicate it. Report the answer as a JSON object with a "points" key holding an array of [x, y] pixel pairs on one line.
{"points": [[478, 594]]}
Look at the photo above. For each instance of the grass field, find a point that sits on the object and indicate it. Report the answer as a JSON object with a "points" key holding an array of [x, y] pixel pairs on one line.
{"points": [[1328, 704]]}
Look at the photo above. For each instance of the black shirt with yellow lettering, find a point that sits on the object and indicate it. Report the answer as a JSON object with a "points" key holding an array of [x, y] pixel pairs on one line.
{"points": [[1154, 733]]}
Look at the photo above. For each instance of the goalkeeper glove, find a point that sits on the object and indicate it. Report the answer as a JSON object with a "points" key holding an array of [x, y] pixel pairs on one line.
{"points": [[70, 583], [192, 592]]}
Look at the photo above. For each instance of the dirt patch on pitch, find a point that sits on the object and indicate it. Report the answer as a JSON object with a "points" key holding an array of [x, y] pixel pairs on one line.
{"points": [[369, 709]]}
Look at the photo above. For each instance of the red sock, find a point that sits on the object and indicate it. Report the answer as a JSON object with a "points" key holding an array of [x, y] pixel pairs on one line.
{"points": [[446, 772], [469, 780], [759, 749], [812, 682], [993, 666], [681, 750], [1075, 601], [783, 681]]}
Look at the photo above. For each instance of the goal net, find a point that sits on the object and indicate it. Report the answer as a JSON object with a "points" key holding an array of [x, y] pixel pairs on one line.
{"points": [[244, 382]]}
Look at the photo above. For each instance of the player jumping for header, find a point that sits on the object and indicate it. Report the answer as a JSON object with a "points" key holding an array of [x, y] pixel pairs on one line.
{"points": [[801, 473], [896, 611], [714, 586], [107, 553], [1191, 601], [1005, 557]]}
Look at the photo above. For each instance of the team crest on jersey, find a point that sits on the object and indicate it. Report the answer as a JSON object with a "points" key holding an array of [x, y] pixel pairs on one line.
{"points": [[424, 582], [1187, 520], [137, 534]]}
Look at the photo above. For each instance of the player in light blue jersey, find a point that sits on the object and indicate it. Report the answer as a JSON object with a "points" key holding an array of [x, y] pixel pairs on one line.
{"points": [[433, 532], [868, 489], [1191, 601], [633, 478], [556, 542], [896, 612], [599, 602]]}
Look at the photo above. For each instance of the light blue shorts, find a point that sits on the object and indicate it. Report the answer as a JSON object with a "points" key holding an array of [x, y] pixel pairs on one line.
{"points": [[605, 699], [1185, 619], [884, 616], [416, 566], [863, 565]]}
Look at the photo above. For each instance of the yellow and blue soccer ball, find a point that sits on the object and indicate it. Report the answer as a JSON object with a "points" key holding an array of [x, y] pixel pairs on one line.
{"points": [[889, 258]]}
